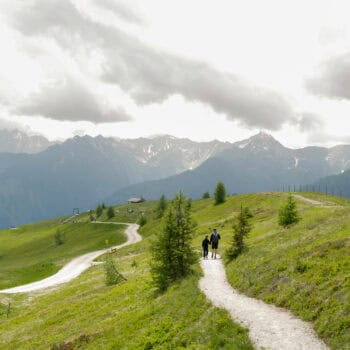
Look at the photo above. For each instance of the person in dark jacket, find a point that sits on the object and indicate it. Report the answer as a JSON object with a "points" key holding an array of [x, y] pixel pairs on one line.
{"points": [[214, 241], [205, 246]]}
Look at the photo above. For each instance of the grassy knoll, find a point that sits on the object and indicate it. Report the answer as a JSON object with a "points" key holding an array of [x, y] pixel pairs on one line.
{"points": [[86, 314], [29, 253]]}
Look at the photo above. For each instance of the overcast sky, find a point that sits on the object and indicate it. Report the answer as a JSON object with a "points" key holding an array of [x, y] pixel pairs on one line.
{"points": [[190, 68]]}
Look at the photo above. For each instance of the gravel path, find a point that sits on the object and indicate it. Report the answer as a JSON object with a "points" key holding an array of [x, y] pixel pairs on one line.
{"points": [[78, 265], [315, 202], [269, 327]]}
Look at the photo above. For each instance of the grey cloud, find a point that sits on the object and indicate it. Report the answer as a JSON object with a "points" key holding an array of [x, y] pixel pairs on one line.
{"points": [[149, 75], [69, 100], [120, 10], [333, 79], [321, 137], [11, 125], [310, 122]]}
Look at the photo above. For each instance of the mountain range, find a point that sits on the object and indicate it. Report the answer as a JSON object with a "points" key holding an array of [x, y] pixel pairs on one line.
{"points": [[257, 164], [83, 171], [16, 141]]}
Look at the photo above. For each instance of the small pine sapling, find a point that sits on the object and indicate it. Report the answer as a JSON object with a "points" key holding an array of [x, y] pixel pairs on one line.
{"points": [[288, 214], [241, 228], [113, 276]]}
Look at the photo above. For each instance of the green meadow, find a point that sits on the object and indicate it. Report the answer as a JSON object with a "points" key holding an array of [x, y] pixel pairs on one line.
{"points": [[29, 253], [304, 268], [86, 314]]}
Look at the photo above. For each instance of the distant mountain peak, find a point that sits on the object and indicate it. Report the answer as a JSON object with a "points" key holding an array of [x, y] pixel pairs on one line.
{"points": [[261, 142], [17, 141]]}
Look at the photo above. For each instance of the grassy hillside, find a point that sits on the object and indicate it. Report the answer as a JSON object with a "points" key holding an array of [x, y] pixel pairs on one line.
{"points": [[86, 314], [305, 268], [29, 253]]}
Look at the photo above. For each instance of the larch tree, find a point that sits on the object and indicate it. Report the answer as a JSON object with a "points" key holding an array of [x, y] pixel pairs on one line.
{"points": [[172, 254]]}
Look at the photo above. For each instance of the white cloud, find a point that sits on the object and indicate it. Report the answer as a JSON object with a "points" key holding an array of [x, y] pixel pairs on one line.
{"points": [[147, 74]]}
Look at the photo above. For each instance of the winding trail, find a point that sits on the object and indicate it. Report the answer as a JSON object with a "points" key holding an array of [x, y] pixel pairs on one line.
{"points": [[315, 202], [270, 327], [78, 265]]}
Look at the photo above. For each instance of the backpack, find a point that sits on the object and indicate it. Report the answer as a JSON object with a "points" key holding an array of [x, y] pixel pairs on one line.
{"points": [[215, 238]]}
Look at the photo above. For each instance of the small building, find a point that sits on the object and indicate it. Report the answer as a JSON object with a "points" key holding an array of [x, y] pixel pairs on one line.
{"points": [[136, 200]]}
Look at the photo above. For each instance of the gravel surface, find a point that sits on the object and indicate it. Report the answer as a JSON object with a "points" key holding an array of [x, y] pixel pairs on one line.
{"points": [[269, 327], [78, 265]]}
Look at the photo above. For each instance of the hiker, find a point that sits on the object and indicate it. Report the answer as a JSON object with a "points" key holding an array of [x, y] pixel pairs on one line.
{"points": [[205, 246], [214, 241]]}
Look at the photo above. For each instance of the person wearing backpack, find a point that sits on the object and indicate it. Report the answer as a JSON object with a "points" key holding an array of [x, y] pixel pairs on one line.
{"points": [[214, 241]]}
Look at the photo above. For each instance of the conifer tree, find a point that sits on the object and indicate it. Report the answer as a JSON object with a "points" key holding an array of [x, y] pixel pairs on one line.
{"points": [[110, 213], [220, 193], [142, 220], [99, 211], [288, 214], [113, 276], [241, 228], [172, 254], [162, 205], [206, 195]]}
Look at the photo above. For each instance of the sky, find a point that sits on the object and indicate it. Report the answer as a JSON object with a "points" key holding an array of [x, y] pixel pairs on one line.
{"points": [[190, 68]]}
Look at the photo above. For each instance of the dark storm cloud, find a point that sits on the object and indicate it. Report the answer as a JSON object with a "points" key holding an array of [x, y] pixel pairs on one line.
{"points": [[149, 75], [333, 78], [120, 10], [310, 122], [69, 100]]}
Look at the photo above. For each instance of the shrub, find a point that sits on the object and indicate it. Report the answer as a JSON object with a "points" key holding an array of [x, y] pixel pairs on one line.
{"points": [[248, 213], [142, 220], [58, 238], [206, 195]]}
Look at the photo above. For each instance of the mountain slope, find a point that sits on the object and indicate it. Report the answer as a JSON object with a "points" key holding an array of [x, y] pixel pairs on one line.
{"points": [[73, 174], [84, 171], [171, 155], [16, 141], [339, 184], [259, 163]]}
